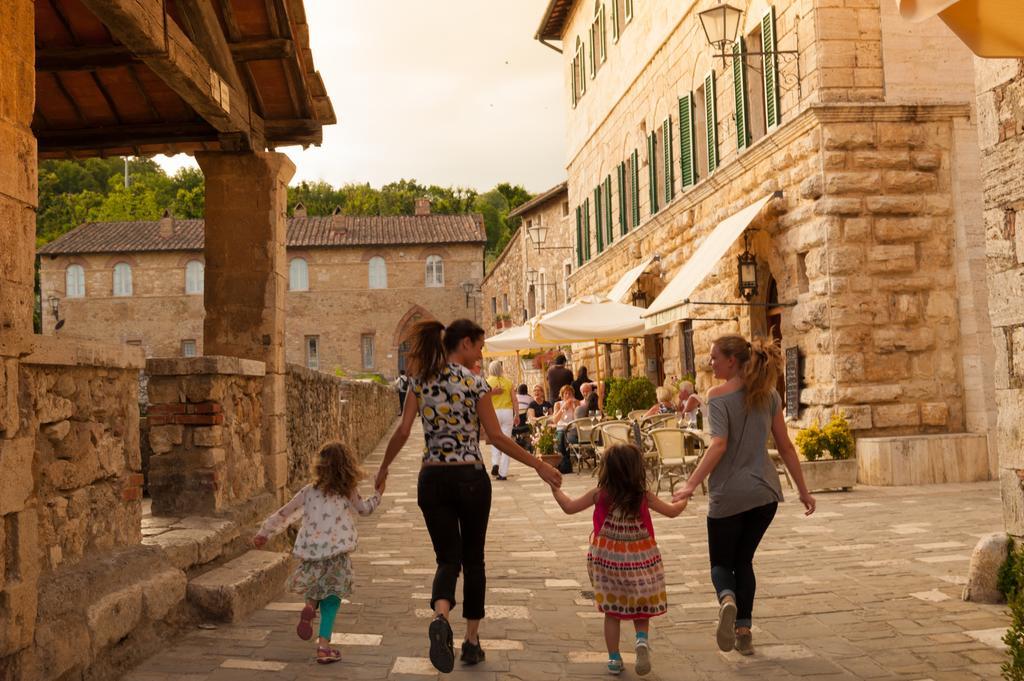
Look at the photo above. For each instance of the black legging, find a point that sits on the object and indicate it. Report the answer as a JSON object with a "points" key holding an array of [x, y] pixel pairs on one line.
{"points": [[456, 502], [732, 541]]}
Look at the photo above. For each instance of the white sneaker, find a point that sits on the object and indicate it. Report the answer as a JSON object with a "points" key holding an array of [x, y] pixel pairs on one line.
{"points": [[726, 634], [643, 657]]}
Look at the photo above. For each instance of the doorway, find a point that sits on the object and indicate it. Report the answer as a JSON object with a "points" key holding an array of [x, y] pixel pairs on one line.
{"points": [[654, 359]]}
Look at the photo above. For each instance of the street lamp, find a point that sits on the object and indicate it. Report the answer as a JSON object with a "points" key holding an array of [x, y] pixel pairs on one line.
{"points": [[721, 23], [468, 287], [55, 309], [538, 234], [531, 277], [747, 270]]}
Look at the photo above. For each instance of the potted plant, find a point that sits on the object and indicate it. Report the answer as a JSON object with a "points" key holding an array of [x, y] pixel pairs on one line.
{"points": [[544, 445], [828, 454]]}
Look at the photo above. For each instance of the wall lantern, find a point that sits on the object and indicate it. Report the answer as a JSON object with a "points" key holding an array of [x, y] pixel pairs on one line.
{"points": [[747, 270], [531, 277], [639, 298], [469, 287], [721, 24], [538, 235], [55, 309]]}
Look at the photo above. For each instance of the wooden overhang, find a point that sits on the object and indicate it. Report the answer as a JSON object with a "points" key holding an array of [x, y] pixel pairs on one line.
{"points": [[143, 77]]}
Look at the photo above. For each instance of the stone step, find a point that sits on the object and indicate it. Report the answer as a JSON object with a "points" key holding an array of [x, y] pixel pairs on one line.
{"points": [[240, 586]]}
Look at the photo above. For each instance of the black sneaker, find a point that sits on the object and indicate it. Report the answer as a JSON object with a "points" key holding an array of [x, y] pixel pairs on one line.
{"points": [[442, 650], [494, 471], [472, 653]]}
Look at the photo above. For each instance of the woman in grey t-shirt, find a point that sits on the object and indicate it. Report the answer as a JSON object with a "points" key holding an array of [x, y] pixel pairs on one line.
{"points": [[743, 486]]}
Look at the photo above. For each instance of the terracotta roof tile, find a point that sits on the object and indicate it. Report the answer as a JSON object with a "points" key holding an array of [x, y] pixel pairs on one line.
{"points": [[339, 230]]}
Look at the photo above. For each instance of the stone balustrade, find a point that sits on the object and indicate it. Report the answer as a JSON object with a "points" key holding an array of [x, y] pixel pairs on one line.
{"points": [[205, 432]]}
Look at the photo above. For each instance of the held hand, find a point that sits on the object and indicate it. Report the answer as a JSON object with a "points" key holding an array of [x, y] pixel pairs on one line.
{"points": [[550, 475], [808, 501], [379, 487], [381, 479], [683, 494], [259, 541]]}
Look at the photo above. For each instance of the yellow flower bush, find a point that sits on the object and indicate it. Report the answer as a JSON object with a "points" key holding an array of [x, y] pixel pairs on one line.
{"points": [[834, 440]]}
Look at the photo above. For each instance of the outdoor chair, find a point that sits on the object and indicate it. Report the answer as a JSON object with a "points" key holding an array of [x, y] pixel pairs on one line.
{"points": [[613, 433], [636, 414], [657, 421], [584, 450], [678, 452]]}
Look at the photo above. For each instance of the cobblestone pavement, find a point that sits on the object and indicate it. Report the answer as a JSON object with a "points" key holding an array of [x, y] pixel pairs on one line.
{"points": [[867, 588]]}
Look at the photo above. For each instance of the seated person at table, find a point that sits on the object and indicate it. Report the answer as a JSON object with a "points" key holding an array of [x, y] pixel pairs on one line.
{"points": [[565, 411], [588, 403], [523, 401], [689, 401], [664, 405], [539, 406]]}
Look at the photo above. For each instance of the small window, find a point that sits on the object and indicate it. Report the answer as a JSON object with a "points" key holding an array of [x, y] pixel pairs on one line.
{"points": [[435, 271], [298, 275], [188, 348], [494, 306], [565, 209], [367, 348], [122, 279], [74, 281], [193, 279], [504, 302], [313, 352], [378, 272], [598, 39]]}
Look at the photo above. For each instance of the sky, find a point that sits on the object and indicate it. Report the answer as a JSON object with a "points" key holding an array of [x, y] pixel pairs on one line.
{"points": [[446, 92]]}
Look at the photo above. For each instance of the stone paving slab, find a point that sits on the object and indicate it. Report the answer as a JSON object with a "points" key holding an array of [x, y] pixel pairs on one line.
{"points": [[866, 589]]}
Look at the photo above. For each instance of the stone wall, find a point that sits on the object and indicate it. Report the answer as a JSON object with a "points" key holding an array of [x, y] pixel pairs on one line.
{"points": [[1000, 86], [205, 432], [323, 408]]}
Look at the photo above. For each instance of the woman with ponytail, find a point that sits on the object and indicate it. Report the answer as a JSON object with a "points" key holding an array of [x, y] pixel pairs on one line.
{"points": [[743, 485], [454, 490]]}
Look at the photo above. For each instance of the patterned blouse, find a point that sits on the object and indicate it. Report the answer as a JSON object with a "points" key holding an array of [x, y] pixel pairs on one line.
{"points": [[328, 527], [447, 405]]}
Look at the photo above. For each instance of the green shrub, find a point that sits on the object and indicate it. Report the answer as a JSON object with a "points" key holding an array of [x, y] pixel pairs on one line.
{"points": [[1010, 581], [623, 395], [835, 440]]}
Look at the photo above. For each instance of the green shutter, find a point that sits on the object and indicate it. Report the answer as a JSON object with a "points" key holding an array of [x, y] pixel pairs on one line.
{"points": [[635, 188], [620, 175], [598, 219], [615, 21], [608, 225], [574, 98], [687, 161], [771, 69], [593, 52], [739, 89], [586, 226], [579, 236], [652, 171], [583, 74], [711, 121], [604, 34], [666, 143]]}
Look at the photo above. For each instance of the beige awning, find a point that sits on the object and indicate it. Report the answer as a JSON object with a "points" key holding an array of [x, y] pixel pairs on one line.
{"points": [[990, 28], [589, 319], [623, 285], [512, 341], [672, 304]]}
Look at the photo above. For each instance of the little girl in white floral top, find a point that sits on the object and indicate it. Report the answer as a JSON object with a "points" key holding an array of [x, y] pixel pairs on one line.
{"points": [[327, 537]]}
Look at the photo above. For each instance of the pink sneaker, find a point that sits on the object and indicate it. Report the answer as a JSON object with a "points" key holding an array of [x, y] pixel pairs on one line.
{"points": [[305, 626]]}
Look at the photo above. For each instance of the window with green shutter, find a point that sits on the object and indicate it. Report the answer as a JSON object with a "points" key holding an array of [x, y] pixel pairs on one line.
{"points": [[666, 145], [573, 84], [579, 236], [608, 225], [598, 219], [620, 173], [739, 89], [586, 226], [593, 50], [711, 121], [581, 48], [652, 171], [771, 69], [615, 20], [601, 27], [687, 157], [628, 10], [635, 188]]}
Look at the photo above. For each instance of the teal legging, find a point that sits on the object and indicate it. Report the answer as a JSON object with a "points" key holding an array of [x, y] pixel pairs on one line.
{"points": [[328, 611]]}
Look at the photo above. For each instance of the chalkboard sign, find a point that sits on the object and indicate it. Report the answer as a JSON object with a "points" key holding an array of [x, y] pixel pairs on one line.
{"points": [[793, 380]]}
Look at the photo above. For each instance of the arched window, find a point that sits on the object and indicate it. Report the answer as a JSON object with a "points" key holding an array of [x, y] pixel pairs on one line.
{"points": [[194, 277], [122, 279], [435, 271], [298, 275], [378, 272], [74, 282]]}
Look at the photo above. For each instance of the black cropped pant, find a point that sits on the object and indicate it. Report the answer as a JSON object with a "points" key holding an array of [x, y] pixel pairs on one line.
{"points": [[732, 542], [456, 503]]}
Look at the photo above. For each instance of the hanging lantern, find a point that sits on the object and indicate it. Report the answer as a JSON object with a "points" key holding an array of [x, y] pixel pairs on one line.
{"points": [[747, 270]]}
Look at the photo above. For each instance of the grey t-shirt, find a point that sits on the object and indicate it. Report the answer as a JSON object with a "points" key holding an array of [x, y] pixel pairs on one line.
{"points": [[745, 477]]}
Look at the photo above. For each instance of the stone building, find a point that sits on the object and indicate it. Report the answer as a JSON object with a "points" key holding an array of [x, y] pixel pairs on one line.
{"points": [[355, 285], [849, 135]]}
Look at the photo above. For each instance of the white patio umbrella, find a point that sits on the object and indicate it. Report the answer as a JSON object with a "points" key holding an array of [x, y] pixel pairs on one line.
{"points": [[510, 342], [590, 319]]}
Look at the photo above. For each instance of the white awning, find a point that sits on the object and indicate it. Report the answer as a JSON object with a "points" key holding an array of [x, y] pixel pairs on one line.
{"points": [[990, 28], [589, 319], [671, 305], [622, 286], [511, 341]]}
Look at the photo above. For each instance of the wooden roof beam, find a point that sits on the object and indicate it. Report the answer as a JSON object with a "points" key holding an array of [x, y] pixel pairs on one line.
{"points": [[112, 56], [156, 39], [120, 136], [208, 36]]}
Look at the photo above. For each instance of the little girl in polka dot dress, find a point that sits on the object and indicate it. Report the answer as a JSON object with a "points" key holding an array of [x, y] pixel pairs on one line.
{"points": [[624, 562]]}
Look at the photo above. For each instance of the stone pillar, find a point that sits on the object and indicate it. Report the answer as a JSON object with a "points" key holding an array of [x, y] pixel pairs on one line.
{"points": [[18, 166], [247, 277]]}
